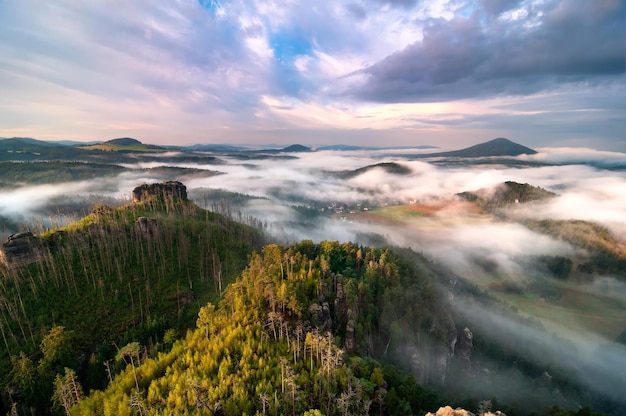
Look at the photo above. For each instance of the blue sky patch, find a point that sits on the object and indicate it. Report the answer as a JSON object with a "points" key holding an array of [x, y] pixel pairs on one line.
{"points": [[212, 5], [287, 46]]}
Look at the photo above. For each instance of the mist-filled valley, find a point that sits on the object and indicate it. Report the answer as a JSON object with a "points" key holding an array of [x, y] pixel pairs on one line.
{"points": [[506, 279]]}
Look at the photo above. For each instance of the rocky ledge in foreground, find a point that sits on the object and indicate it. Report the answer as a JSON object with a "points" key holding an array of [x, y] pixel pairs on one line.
{"points": [[448, 411]]}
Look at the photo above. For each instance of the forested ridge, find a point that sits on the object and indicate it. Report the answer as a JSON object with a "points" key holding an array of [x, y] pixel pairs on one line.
{"points": [[137, 273], [285, 340]]}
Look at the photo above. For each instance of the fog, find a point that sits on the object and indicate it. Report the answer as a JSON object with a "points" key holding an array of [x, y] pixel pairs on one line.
{"points": [[598, 365], [314, 180], [314, 196]]}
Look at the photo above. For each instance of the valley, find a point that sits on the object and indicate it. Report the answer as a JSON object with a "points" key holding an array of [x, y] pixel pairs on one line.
{"points": [[395, 256]]}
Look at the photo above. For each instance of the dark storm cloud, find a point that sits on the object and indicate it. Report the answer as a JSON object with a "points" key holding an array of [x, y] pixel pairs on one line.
{"points": [[517, 52]]}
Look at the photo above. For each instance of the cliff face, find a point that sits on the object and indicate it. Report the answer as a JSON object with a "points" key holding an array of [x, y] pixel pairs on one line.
{"points": [[160, 192]]}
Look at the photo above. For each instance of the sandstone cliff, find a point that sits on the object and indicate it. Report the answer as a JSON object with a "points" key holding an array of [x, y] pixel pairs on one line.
{"points": [[449, 411], [159, 192]]}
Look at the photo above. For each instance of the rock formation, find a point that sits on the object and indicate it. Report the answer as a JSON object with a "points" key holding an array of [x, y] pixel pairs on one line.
{"points": [[448, 411], [349, 342], [320, 316], [446, 332], [465, 345], [147, 227], [19, 249], [160, 192]]}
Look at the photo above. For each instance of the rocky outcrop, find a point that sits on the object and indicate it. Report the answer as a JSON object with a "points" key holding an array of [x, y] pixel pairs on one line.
{"points": [[160, 192], [320, 316], [449, 411], [445, 331], [147, 227], [465, 345], [349, 342], [19, 249]]}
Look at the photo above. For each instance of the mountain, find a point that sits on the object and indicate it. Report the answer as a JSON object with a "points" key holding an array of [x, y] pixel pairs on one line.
{"points": [[495, 147], [296, 148], [124, 144], [124, 141]]}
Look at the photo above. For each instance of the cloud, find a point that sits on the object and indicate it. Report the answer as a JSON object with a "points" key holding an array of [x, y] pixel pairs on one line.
{"points": [[213, 71], [569, 155], [541, 46]]}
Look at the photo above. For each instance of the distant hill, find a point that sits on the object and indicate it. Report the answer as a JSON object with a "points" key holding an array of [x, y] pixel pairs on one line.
{"points": [[124, 141], [210, 147], [28, 141], [495, 147], [124, 144], [26, 149], [505, 194], [389, 167], [296, 148], [345, 147]]}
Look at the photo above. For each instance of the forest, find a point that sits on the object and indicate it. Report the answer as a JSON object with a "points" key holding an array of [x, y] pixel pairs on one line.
{"points": [[161, 307]]}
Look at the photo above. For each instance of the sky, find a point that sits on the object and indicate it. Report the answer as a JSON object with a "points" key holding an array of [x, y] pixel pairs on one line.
{"points": [[448, 73]]}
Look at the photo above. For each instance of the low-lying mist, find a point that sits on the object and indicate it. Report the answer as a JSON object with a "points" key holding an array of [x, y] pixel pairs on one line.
{"points": [[318, 196]]}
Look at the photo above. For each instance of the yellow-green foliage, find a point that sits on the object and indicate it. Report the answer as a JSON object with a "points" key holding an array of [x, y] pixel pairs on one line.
{"points": [[259, 352]]}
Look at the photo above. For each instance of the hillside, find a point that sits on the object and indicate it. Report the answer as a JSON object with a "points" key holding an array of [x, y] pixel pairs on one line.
{"points": [[495, 147], [332, 329], [281, 341], [604, 253], [389, 167], [25, 149], [134, 273], [123, 145], [13, 174], [506, 194], [296, 148]]}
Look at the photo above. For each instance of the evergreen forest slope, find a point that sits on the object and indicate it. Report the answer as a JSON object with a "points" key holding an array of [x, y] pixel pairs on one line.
{"points": [[135, 273], [334, 329]]}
